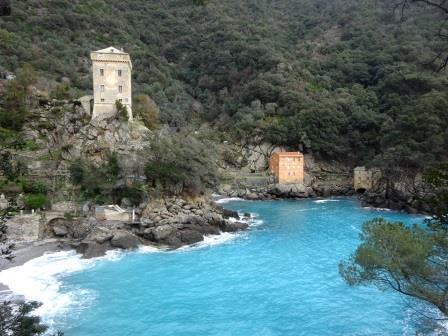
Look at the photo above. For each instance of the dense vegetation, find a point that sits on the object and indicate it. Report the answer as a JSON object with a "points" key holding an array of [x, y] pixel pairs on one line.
{"points": [[342, 78]]}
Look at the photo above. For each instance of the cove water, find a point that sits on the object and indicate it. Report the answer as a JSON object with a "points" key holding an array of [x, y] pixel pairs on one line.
{"points": [[278, 278]]}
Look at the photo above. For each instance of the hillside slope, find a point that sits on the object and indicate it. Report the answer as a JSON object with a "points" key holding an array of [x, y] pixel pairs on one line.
{"points": [[343, 79]]}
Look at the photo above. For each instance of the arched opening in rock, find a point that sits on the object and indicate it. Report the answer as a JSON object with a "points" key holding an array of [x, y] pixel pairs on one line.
{"points": [[360, 190]]}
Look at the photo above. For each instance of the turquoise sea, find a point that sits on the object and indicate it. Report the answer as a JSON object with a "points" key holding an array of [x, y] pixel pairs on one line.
{"points": [[278, 278]]}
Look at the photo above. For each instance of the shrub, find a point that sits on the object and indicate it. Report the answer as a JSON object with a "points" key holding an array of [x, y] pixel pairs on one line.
{"points": [[182, 163], [147, 109], [35, 201], [122, 111]]}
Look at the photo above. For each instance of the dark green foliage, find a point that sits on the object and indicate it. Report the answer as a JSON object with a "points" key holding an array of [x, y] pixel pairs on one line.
{"points": [[35, 187], [146, 109], [104, 183], [134, 192], [61, 91], [15, 319], [122, 112], [35, 201], [14, 107], [411, 260], [182, 163], [343, 79]]}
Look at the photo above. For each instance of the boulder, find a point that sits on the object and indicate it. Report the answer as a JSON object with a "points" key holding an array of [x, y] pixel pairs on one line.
{"points": [[190, 236], [162, 232], [227, 226], [252, 196], [124, 240], [226, 213], [60, 231], [91, 249], [100, 235]]}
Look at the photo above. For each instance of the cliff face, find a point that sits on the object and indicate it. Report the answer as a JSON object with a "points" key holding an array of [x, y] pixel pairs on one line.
{"points": [[64, 131]]}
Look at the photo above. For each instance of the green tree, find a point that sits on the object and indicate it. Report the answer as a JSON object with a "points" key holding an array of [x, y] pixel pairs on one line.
{"points": [[15, 106], [412, 260], [182, 163], [147, 109]]}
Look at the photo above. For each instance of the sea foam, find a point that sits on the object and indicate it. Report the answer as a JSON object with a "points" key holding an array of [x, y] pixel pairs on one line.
{"points": [[326, 200], [40, 280], [228, 199]]}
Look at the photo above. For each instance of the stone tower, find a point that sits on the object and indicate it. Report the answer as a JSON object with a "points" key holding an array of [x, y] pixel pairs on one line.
{"points": [[112, 72]]}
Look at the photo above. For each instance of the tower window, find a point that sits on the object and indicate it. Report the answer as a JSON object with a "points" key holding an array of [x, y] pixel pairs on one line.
{"points": [[102, 88], [120, 89], [101, 72], [119, 73]]}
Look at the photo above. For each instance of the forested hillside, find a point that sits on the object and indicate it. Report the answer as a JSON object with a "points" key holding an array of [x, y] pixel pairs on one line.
{"points": [[344, 79]]}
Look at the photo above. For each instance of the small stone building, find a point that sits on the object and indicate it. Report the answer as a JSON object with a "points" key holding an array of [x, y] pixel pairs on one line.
{"points": [[365, 179], [112, 73], [288, 167]]}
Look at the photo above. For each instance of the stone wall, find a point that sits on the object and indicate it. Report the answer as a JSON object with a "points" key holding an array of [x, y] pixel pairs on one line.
{"points": [[24, 227]]}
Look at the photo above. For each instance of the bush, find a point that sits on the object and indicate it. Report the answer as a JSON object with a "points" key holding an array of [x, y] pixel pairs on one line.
{"points": [[182, 163], [147, 109], [97, 182], [35, 201], [122, 111], [35, 187]]}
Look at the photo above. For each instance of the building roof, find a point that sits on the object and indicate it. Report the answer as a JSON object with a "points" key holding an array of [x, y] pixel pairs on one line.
{"points": [[110, 50], [288, 153]]}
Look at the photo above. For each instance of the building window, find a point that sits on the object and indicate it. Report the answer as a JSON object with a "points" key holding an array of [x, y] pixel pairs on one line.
{"points": [[101, 72], [102, 99], [102, 88], [120, 100], [119, 73], [120, 89]]}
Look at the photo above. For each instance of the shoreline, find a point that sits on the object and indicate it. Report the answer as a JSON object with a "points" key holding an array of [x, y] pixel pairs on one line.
{"points": [[25, 252]]}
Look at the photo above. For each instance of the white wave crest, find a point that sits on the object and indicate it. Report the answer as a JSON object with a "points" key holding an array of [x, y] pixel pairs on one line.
{"points": [[228, 199], [40, 280], [378, 209], [326, 200]]}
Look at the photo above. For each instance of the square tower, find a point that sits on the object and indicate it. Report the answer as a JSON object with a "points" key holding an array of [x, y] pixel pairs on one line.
{"points": [[288, 167], [112, 73]]}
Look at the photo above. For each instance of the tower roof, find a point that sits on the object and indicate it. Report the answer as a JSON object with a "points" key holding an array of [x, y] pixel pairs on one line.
{"points": [[111, 50]]}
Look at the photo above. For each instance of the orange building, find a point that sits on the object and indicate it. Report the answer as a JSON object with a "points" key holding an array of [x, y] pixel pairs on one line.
{"points": [[288, 167]]}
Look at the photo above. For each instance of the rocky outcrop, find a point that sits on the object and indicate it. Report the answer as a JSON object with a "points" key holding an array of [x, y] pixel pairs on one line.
{"points": [[395, 200], [175, 222], [167, 222], [290, 190], [105, 237]]}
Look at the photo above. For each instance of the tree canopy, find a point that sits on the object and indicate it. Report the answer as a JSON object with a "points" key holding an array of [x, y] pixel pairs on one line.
{"points": [[342, 79]]}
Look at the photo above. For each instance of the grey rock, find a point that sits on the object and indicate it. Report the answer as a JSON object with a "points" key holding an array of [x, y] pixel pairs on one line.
{"points": [[91, 249], [124, 240], [191, 236], [227, 226], [126, 203], [60, 231], [162, 232]]}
